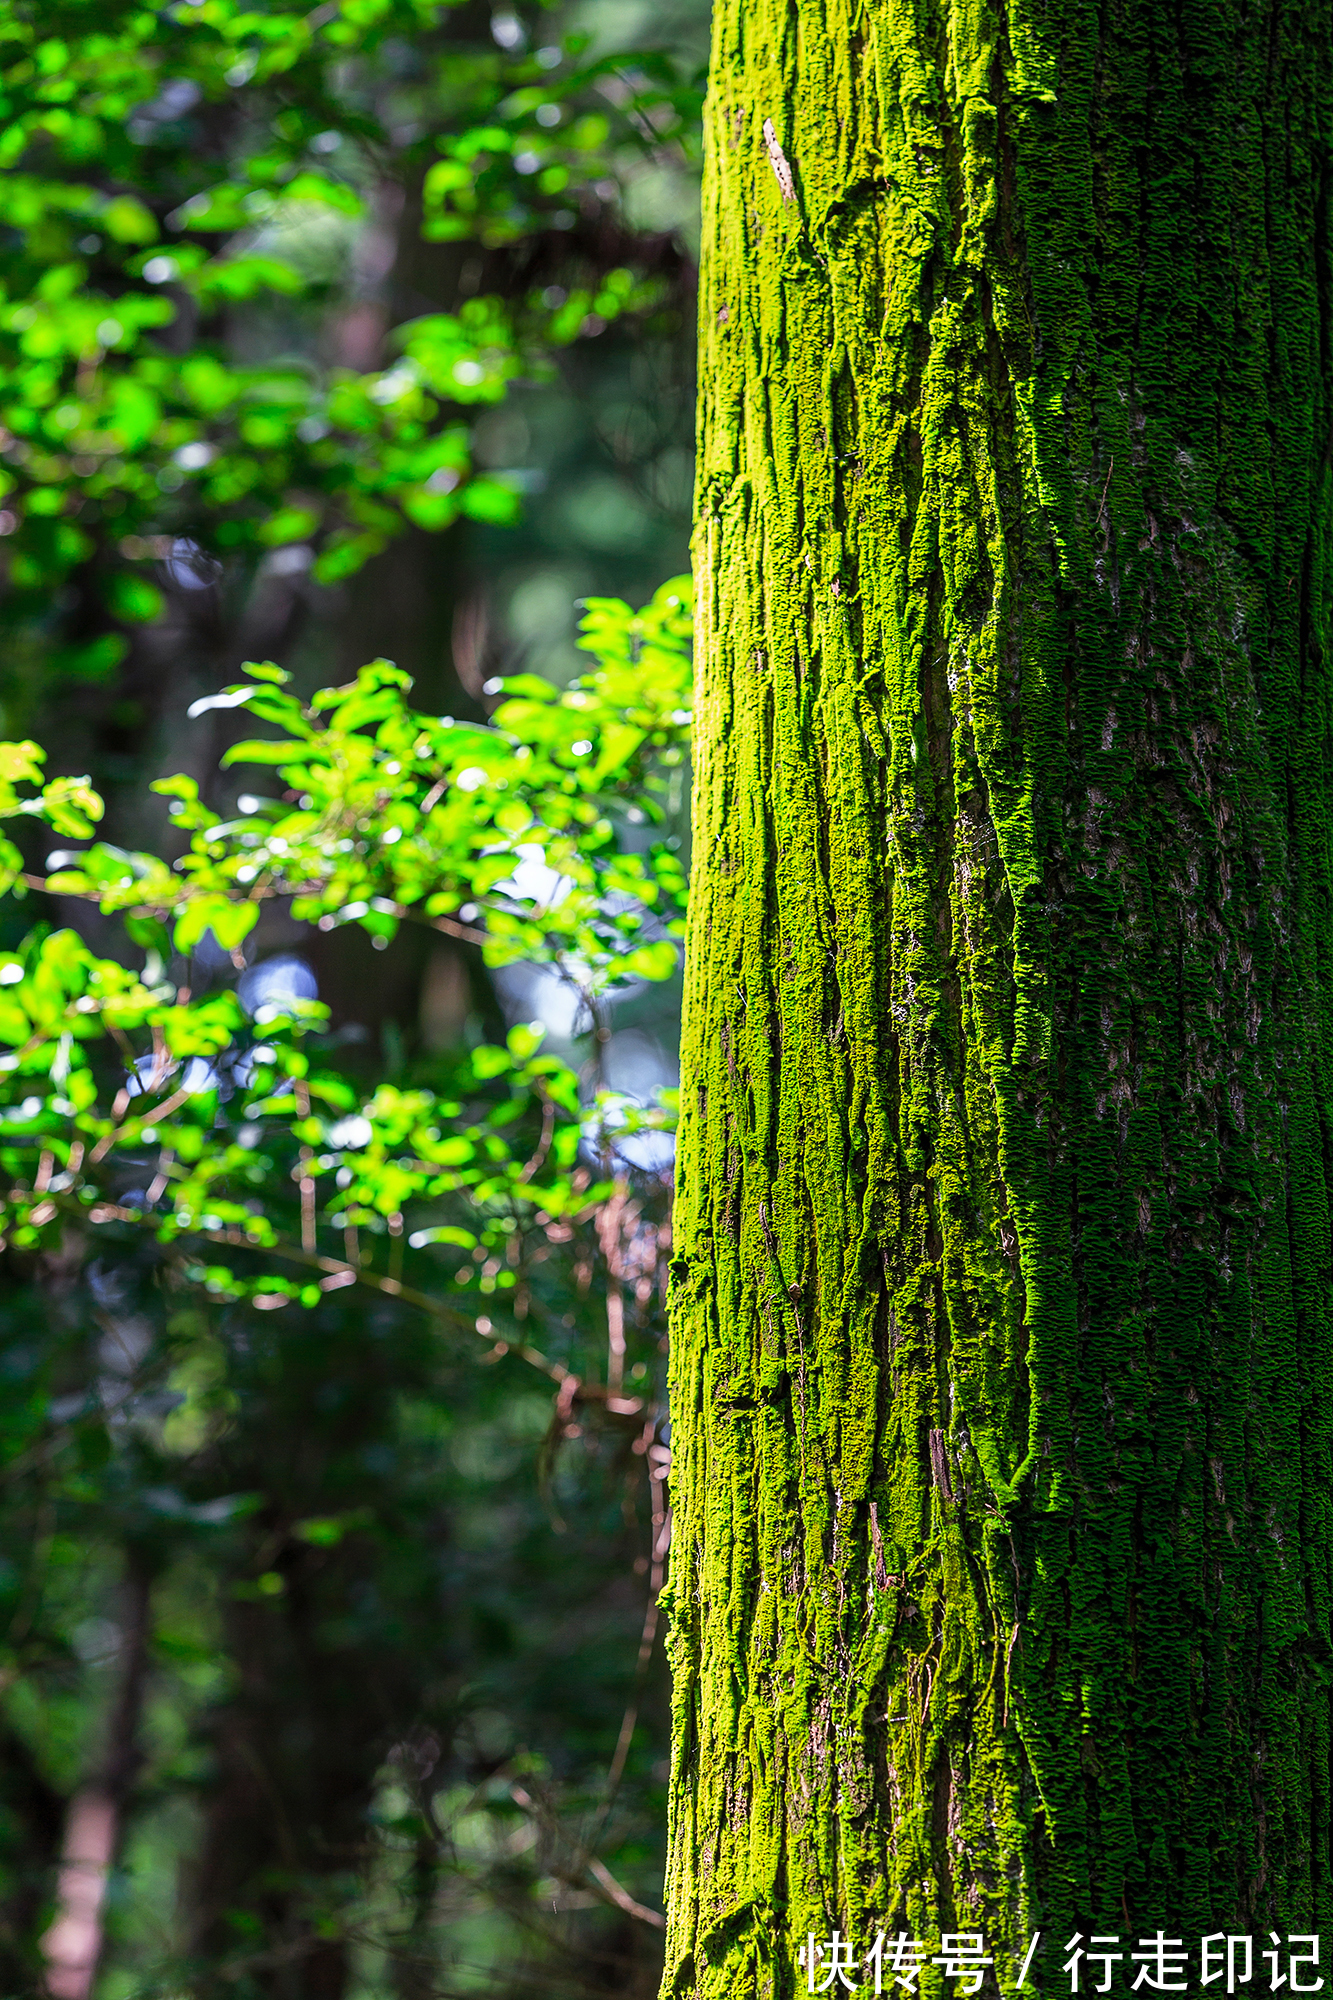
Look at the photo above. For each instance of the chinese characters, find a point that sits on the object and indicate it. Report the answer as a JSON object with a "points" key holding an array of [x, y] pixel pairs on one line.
{"points": [[894, 1962]]}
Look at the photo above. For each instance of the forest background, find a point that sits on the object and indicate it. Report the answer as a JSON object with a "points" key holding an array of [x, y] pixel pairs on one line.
{"points": [[334, 1437]]}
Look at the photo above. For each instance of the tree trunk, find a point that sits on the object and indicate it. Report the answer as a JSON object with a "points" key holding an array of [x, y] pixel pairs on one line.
{"points": [[1001, 1370], [95, 1821]]}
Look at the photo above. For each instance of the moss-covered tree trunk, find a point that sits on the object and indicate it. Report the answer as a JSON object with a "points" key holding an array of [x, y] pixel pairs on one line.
{"points": [[1000, 1594]]}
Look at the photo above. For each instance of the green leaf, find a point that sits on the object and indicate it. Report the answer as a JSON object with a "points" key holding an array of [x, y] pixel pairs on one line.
{"points": [[525, 1039], [330, 193], [651, 961], [133, 598], [231, 923], [461, 1239], [149, 934], [488, 1061], [126, 220], [134, 413], [289, 524], [95, 661], [490, 500], [259, 751]]}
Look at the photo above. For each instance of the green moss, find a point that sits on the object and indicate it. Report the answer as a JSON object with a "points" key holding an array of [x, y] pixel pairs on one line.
{"points": [[1001, 1398]]}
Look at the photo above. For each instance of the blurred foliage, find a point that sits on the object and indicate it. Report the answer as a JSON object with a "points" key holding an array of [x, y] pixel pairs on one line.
{"points": [[200, 1157], [389, 815], [167, 171], [332, 1113]]}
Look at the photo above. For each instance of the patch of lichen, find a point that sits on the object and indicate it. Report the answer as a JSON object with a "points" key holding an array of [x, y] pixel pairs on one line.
{"points": [[1001, 1400]]}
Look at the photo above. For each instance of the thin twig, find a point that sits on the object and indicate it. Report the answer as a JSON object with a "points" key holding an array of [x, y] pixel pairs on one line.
{"points": [[629, 1722], [588, 1864], [235, 1239], [622, 1899], [304, 1178], [263, 893]]}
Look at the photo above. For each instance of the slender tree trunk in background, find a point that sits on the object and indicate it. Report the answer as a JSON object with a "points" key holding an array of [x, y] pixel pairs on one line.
{"points": [[95, 1821], [1001, 1372]]}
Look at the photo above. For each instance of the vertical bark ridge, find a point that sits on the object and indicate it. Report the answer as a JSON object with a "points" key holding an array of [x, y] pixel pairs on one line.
{"points": [[1000, 1593]]}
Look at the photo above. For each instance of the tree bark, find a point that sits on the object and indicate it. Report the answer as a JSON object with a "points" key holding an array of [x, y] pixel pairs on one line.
{"points": [[1001, 1367], [74, 1945]]}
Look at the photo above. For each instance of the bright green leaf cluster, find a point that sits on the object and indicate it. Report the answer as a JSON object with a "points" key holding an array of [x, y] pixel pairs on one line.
{"points": [[511, 832], [69, 806], [161, 165], [549, 141], [128, 1102]]}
